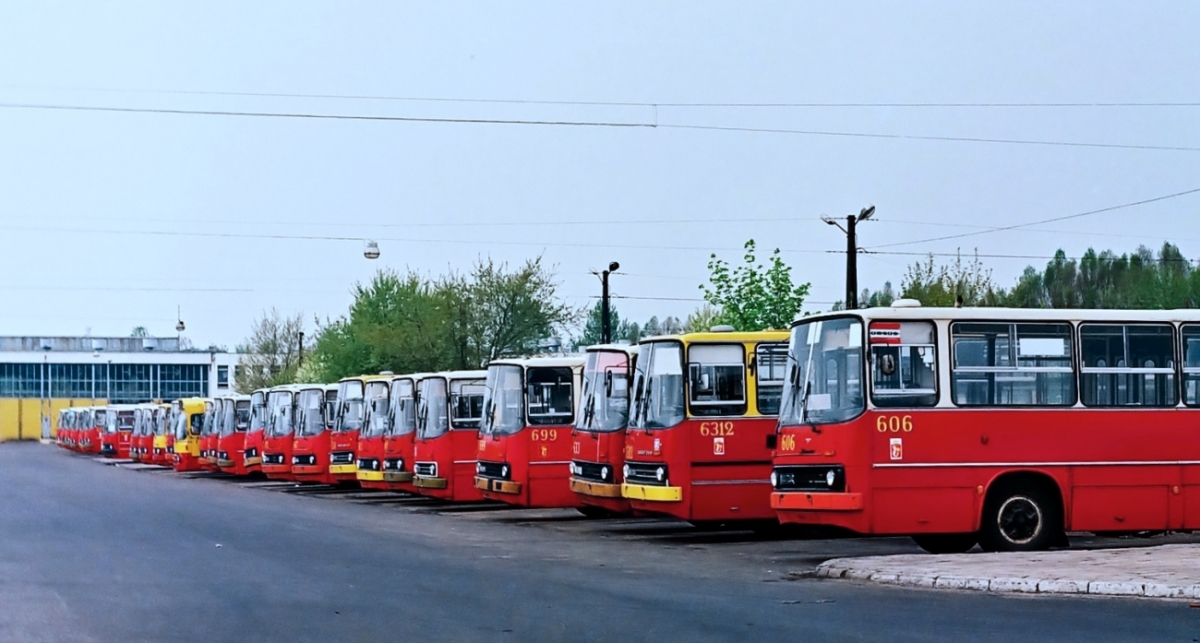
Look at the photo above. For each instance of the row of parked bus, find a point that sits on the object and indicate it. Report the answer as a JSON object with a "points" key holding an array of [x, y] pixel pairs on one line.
{"points": [[998, 427]]}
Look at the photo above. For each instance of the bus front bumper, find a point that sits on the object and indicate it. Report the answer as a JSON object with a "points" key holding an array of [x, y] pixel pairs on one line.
{"points": [[429, 482], [397, 476], [597, 489], [343, 469], [809, 501], [651, 493], [497, 486], [370, 476]]}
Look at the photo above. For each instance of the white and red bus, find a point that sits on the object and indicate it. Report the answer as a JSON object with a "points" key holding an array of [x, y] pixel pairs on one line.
{"points": [[997, 426]]}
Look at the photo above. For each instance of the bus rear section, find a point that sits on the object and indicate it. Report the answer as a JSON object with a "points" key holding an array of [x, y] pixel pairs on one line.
{"points": [[375, 423], [281, 417], [598, 441], [524, 447], [310, 448], [231, 443], [448, 420], [998, 427], [704, 415], [256, 432]]}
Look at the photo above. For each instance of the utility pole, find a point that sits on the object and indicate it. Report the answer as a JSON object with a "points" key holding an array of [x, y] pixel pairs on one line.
{"points": [[851, 228], [605, 314], [300, 352]]}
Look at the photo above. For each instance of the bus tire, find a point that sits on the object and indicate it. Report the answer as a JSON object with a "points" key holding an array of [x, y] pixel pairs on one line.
{"points": [[1021, 515], [946, 543]]}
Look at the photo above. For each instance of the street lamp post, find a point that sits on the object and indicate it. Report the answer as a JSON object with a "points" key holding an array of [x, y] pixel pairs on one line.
{"points": [[851, 228], [605, 314]]}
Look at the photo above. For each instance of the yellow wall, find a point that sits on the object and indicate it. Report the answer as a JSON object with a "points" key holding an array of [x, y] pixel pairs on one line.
{"points": [[21, 418]]}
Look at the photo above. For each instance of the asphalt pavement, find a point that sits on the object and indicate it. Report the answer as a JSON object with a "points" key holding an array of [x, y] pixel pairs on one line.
{"points": [[97, 552]]}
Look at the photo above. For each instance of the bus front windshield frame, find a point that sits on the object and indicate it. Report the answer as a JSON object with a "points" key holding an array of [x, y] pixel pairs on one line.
{"points": [[310, 413], [228, 418], [503, 400], [377, 418], [606, 388], [434, 400], [825, 373], [658, 395], [258, 412], [402, 408], [241, 415], [350, 407], [280, 418]]}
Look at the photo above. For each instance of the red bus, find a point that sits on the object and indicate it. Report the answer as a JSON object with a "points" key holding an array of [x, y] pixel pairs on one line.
{"points": [[143, 428], [1002, 427], [95, 419], [705, 407], [375, 422], [231, 441], [281, 417], [524, 446], [449, 411], [400, 433], [252, 450], [598, 441], [118, 431], [314, 424]]}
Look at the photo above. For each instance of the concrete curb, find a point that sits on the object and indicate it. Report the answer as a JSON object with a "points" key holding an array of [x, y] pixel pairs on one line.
{"points": [[846, 568]]}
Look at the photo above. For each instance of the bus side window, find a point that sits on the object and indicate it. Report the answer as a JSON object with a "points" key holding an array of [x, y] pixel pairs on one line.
{"points": [[1191, 365], [903, 364], [1128, 364], [770, 367], [717, 379], [1009, 364]]}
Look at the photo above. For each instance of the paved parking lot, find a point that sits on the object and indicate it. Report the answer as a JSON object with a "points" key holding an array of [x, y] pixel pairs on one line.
{"points": [[118, 553]]}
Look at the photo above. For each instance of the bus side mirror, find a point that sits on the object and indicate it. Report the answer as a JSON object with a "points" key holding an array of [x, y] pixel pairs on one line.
{"points": [[608, 383]]}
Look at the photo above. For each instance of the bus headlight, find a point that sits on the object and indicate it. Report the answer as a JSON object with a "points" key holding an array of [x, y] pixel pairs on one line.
{"points": [[830, 477], [660, 473], [625, 471], [479, 468], [774, 480], [504, 471], [604, 473]]}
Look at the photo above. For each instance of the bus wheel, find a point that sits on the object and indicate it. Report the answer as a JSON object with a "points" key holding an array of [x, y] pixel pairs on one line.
{"points": [[1020, 516], [946, 543]]}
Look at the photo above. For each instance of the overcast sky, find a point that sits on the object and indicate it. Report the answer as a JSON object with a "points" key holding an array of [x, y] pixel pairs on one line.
{"points": [[99, 210]]}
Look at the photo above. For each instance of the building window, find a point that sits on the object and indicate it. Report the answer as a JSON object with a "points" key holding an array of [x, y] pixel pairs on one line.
{"points": [[222, 377], [21, 380]]}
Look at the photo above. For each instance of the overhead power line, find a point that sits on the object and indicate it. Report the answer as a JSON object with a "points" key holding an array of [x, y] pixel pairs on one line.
{"points": [[650, 104], [589, 123], [1027, 224]]}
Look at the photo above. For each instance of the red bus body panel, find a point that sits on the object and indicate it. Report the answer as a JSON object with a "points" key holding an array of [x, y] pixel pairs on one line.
{"points": [[315, 447], [342, 442], [539, 459], [231, 453], [277, 451], [252, 450], [722, 467], [397, 451], [454, 454], [369, 454], [208, 452], [601, 448]]}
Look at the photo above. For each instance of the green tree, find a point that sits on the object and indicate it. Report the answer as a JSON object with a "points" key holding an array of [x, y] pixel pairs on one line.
{"points": [[700, 320], [752, 296], [943, 285], [270, 355], [593, 326], [139, 331]]}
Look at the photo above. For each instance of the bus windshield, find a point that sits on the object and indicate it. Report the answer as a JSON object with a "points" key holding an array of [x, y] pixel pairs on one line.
{"points": [[432, 419], [279, 422], [824, 383], [228, 418], [258, 412], [503, 401], [402, 408], [658, 386], [310, 409], [124, 420], [350, 406], [605, 405], [208, 422], [377, 416]]}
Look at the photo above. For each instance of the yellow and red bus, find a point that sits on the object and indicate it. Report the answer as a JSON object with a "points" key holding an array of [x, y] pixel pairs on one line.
{"points": [[598, 441], [449, 412], [375, 421], [1002, 427], [210, 433], [316, 410], [280, 431], [193, 413], [163, 444], [231, 438], [400, 434], [524, 446], [704, 407], [256, 432]]}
